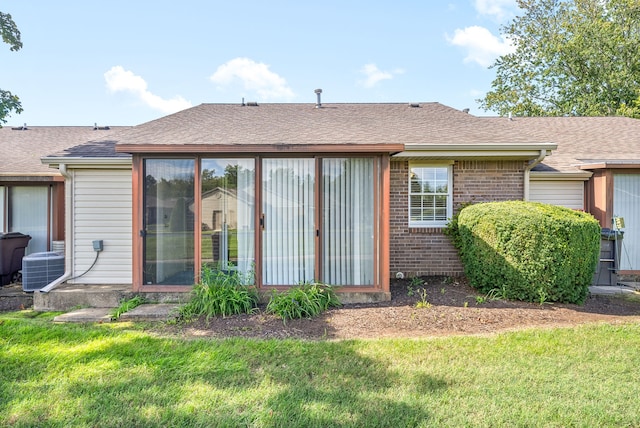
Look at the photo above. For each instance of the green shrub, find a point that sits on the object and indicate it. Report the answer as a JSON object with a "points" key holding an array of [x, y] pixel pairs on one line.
{"points": [[530, 251], [303, 301], [220, 292]]}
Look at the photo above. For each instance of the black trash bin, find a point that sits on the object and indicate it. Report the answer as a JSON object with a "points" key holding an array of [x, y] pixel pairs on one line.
{"points": [[12, 246], [610, 252]]}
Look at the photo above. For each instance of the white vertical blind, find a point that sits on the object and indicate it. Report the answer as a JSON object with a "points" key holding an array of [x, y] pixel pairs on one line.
{"points": [[348, 221], [626, 204], [2, 207], [288, 210], [29, 215]]}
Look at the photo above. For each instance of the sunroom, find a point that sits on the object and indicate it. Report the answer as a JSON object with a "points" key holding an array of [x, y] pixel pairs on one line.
{"points": [[277, 220]]}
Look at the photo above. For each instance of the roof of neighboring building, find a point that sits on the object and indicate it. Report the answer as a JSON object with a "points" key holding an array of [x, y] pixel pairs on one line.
{"points": [[23, 148], [581, 140]]}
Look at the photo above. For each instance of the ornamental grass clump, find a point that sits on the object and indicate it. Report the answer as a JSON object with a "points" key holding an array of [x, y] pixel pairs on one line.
{"points": [[530, 251], [220, 292], [303, 301]]}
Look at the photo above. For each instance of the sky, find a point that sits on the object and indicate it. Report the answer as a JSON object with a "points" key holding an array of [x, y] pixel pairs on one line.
{"points": [[128, 62]]}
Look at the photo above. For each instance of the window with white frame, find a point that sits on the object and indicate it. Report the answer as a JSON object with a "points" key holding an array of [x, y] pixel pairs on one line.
{"points": [[430, 194]]}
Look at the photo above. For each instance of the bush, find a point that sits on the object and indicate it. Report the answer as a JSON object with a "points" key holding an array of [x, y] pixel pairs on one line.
{"points": [[303, 301], [220, 292], [529, 251]]}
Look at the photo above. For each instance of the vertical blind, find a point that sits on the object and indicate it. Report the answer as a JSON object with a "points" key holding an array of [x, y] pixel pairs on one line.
{"points": [[348, 221], [29, 215], [626, 204], [288, 220]]}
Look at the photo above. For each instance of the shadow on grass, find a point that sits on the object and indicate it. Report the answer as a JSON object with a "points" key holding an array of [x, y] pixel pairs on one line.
{"points": [[104, 377]]}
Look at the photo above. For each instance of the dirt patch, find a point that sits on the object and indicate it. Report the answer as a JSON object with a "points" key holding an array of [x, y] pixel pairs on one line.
{"points": [[449, 307]]}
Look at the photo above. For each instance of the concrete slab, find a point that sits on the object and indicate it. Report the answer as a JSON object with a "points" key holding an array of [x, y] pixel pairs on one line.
{"points": [[86, 315], [601, 290], [150, 312]]}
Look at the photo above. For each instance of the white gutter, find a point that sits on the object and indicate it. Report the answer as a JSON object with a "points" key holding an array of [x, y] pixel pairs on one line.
{"points": [[527, 172], [67, 224]]}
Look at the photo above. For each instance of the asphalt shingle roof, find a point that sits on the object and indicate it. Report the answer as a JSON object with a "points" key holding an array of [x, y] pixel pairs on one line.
{"points": [[21, 150], [581, 140], [303, 124]]}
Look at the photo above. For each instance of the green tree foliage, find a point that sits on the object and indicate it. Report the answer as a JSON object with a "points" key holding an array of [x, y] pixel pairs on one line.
{"points": [[572, 57], [11, 36]]}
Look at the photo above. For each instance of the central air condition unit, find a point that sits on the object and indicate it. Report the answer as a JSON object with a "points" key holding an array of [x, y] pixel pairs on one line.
{"points": [[40, 269]]}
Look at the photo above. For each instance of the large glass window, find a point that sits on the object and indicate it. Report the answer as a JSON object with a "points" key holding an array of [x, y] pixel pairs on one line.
{"points": [[348, 221], [288, 221], [316, 219], [168, 221], [29, 214], [228, 213], [430, 197]]}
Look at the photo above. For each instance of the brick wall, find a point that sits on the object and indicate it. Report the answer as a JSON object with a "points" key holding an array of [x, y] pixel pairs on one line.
{"points": [[427, 251]]}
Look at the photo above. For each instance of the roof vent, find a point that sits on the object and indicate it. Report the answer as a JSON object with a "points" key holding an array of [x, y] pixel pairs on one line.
{"points": [[414, 105], [252, 103], [20, 128], [100, 128], [318, 92], [466, 110]]}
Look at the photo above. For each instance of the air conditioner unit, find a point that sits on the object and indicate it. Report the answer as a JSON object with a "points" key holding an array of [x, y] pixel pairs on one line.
{"points": [[40, 269]]}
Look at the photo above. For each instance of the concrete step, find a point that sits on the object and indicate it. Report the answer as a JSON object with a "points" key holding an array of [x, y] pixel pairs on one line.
{"points": [[146, 312], [13, 298], [69, 296]]}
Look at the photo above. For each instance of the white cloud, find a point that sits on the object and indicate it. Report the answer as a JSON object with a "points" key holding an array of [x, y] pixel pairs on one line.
{"points": [[255, 76], [482, 46], [373, 75], [120, 80], [499, 9]]}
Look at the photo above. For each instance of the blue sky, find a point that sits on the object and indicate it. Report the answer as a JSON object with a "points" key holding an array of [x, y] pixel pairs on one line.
{"points": [[127, 62]]}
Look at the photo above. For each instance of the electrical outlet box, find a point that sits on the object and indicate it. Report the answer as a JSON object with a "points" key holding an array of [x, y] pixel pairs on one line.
{"points": [[97, 245]]}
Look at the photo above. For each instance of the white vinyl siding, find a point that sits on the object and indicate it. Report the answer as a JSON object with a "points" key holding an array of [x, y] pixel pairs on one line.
{"points": [[568, 194], [626, 204], [102, 211]]}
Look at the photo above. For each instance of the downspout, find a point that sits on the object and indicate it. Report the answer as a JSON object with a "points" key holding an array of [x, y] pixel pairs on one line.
{"points": [[68, 199], [527, 171]]}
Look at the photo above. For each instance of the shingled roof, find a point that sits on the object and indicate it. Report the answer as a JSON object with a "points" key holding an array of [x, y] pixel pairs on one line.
{"points": [[582, 141], [23, 147], [294, 125]]}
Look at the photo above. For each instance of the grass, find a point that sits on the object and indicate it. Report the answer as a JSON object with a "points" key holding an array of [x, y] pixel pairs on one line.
{"points": [[112, 375]]}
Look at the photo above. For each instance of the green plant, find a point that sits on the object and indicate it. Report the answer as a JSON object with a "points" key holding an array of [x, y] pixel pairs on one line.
{"points": [[416, 281], [125, 306], [303, 301], [410, 290], [423, 303], [220, 292], [529, 250]]}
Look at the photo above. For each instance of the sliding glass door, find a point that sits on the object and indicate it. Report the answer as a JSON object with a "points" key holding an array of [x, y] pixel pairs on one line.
{"points": [[318, 219], [348, 219], [288, 221], [228, 215], [168, 234]]}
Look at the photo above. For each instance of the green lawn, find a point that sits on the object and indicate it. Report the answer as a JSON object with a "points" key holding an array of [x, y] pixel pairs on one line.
{"points": [[121, 375]]}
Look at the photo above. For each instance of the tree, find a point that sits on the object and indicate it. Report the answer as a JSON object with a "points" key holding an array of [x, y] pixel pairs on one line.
{"points": [[10, 36], [572, 57]]}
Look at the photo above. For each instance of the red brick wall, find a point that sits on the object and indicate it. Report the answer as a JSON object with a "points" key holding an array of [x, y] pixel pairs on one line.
{"points": [[427, 251]]}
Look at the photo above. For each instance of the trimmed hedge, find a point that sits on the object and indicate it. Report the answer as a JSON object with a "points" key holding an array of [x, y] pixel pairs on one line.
{"points": [[528, 251]]}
